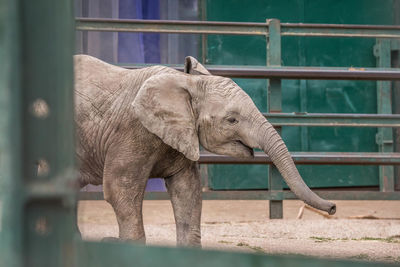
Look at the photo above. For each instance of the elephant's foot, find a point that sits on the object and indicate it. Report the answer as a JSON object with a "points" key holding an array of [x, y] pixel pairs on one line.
{"points": [[189, 240]]}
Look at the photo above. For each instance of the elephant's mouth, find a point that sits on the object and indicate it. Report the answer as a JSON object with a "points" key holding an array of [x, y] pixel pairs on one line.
{"points": [[244, 150], [233, 148]]}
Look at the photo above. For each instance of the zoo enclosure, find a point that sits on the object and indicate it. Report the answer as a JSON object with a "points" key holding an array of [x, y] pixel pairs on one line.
{"points": [[37, 211], [273, 30]]}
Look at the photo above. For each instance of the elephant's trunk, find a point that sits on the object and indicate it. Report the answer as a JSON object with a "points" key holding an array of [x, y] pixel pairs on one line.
{"points": [[272, 144]]}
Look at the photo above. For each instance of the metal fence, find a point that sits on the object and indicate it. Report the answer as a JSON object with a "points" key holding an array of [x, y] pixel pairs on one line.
{"points": [[273, 30]]}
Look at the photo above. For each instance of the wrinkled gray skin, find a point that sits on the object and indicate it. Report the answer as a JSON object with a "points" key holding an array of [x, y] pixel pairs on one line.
{"points": [[136, 124]]}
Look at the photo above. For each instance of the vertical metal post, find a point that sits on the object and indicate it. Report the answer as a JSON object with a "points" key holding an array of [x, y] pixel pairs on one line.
{"points": [[202, 6], [274, 106], [395, 58], [37, 190], [303, 84], [11, 197], [173, 39], [384, 137]]}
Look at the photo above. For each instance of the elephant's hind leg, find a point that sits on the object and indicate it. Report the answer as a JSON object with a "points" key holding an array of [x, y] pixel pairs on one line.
{"points": [[124, 190], [184, 189]]}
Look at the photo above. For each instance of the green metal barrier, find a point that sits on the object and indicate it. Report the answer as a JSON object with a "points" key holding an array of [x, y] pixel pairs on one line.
{"points": [[37, 130]]}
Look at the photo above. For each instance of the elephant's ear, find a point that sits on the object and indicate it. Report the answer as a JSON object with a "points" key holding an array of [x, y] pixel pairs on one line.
{"points": [[192, 66], [163, 105]]}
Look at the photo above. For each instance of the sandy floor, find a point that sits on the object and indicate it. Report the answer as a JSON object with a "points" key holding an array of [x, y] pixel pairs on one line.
{"points": [[244, 226]]}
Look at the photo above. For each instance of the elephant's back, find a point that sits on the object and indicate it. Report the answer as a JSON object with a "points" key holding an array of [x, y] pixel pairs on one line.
{"points": [[94, 77], [88, 64], [92, 74]]}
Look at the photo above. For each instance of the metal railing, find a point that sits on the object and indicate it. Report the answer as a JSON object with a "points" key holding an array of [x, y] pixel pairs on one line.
{"points": [[236, 28], [311, 73], [273, 30]]}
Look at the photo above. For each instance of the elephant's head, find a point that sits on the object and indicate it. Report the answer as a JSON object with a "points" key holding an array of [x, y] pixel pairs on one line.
{"points": [[185, 108]]}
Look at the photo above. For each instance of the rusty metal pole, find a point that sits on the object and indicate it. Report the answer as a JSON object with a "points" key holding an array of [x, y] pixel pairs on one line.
{"points": [[274, 106], [384, 137]]}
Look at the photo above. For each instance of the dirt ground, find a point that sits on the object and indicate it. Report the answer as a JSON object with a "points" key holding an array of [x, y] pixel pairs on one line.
{"points": [[244, 226]]}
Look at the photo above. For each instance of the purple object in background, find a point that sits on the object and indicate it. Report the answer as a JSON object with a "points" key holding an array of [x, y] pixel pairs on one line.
{"points": [[156, 185], [153, 185], [139, 47], [151, 10]]}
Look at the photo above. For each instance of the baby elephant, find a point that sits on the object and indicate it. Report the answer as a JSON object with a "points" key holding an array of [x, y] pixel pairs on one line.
{"points": [[136, 124]]}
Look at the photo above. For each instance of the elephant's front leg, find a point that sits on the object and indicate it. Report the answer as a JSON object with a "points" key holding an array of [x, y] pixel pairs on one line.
{"points": [[124, 189], [184, 189]]}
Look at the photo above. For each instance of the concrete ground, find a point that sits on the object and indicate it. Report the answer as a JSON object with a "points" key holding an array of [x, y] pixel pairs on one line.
{"points": [[244, 226]]}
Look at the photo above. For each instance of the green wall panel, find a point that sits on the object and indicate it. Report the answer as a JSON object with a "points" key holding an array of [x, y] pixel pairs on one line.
{"points": [[304, 96]]}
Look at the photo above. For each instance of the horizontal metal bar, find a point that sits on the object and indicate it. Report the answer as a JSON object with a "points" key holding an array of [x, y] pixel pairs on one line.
{"points": [[333, 120], [340, 30], [316, 73], [288, 195], [236, 28], [171, 26], [84, 195], [265, 195], [321, 158]]}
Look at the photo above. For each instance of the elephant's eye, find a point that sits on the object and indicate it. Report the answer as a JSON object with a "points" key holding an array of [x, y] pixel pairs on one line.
{"points": [[232, 120]]}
